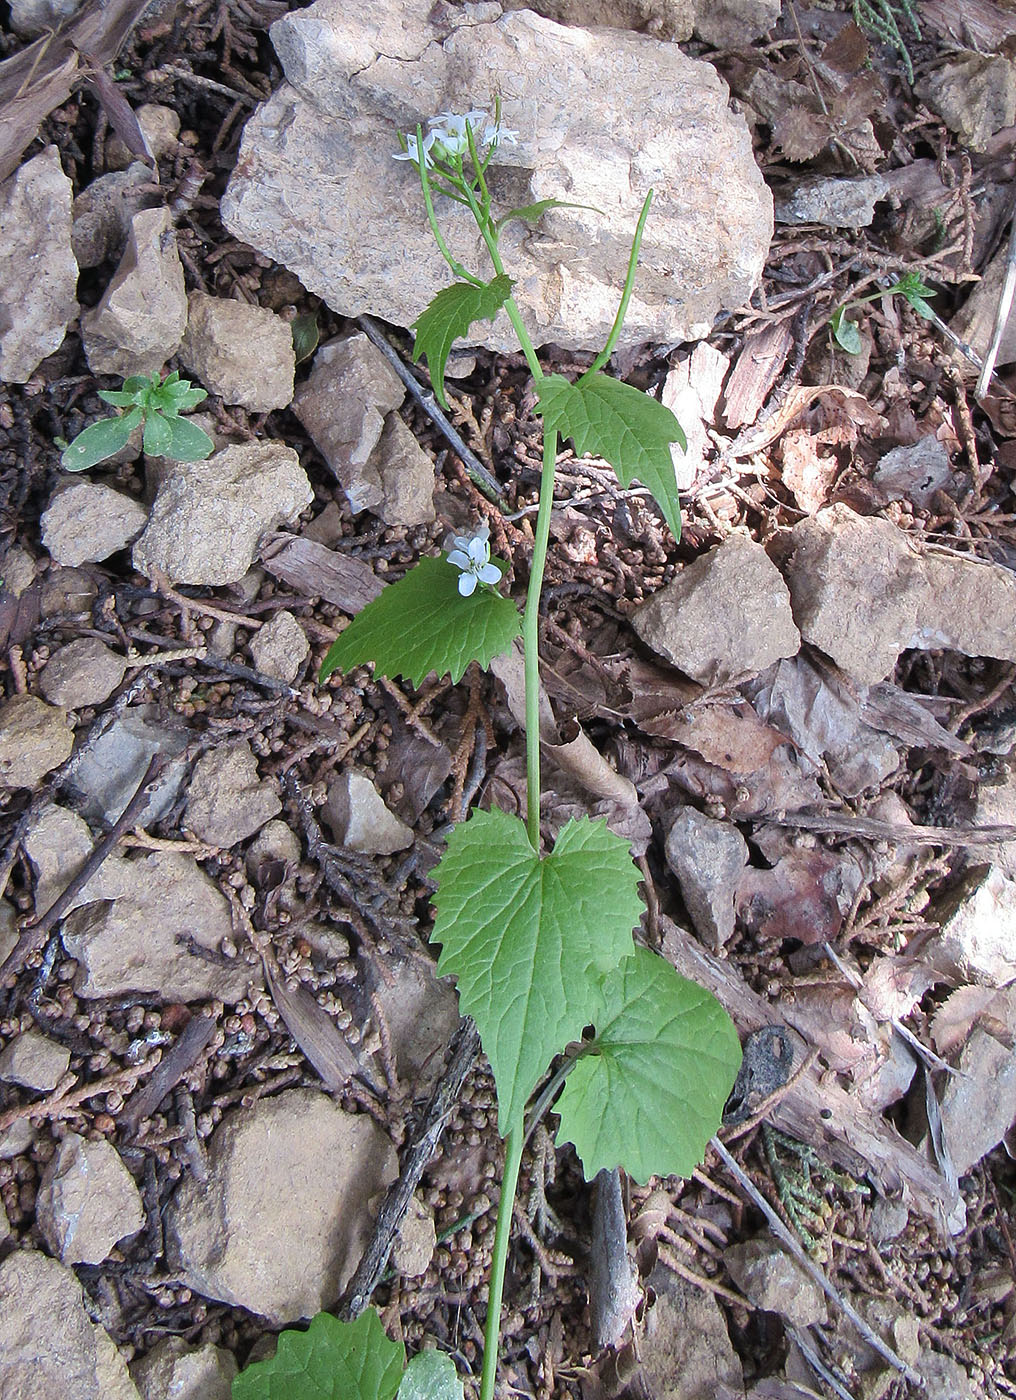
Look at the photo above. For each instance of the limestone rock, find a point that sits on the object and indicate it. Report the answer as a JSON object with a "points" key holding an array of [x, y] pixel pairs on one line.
{"points": [[421, 1012], [87, 522], [996, 806], [140, 320], [87, 1201], [726, 614], [275, 841], [977, 942], [57, 845], [209, 517], [966, 605], [836, 203], [855, 583], [316, 188], [30, 17], [415, 1241], [406, 473], [17, 571], [38, 274], [103, 212], [227, 801], [359, 819], [35, 738], [107, 776], [280, 647], [979, 1102], [172, 1370], [138, 933], [160, 126], [975, 96], [49, 1347], [34, 1061], [731, 24], [241, 352], [84, 672], [708, 858], [685, 1349], [343, 406], [281, 1222], [773, 1280], [67, 593], [673, 20], [915, 471]]}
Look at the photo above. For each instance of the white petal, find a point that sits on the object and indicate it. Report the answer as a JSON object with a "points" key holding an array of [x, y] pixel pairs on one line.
{"points": [[479, 551], [490, 573], [460, 559], [467, 584]]}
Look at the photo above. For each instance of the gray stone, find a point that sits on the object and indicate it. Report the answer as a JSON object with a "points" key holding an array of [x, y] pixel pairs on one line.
{"points": [[107, 776], [30, 17], [836, 203], [209, 517], [35, 738], [725, 615], [17, 1139], [343, 406], [691, 391], [280, 1223], [67, 593], [774, 1281], [275, 841], [57, 845], [8, 928], [280, 647], [974, 95], [708, 858], [673, 20], [406, 473], [359, 819], [316, 187], [227, 801], [915, 471], [140, 320], [50, 1349], [685, 1349], [421, 1013], [17, 571], [104, 209], [87, 522], [38, 274], [855, 583], [87, 1201], [160, 126], [966, 605], [156, 924], [85, 672], [995, 805], [977, 942], [34, 1061], [415, 1241], [978, 1103], [241, 352], [172, 1370], [732, 24]]}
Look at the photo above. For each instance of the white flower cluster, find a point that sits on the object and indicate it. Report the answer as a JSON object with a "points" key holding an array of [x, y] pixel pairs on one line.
{"points": [[446, 136], [471, 554]]}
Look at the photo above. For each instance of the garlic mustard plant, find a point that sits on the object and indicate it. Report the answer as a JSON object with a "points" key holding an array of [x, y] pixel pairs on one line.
{"points": [[539, 938]]}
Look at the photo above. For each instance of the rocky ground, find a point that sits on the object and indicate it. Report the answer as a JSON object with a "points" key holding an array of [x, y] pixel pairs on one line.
{"points": [[221, 1038]]}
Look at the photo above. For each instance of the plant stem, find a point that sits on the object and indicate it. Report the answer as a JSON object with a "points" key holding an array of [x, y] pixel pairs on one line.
{"points": [[629, 283], [502, 1231], [531, 638]]}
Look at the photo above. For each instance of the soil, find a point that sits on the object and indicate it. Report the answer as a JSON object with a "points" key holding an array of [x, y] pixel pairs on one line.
{"points": [[209, 60]]}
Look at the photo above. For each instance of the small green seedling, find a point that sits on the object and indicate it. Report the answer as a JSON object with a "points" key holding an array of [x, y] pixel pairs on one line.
{"points": [[540, 942], [910, 287], [156, 403]]}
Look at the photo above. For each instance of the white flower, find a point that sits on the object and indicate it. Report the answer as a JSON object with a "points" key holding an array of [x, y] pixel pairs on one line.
{"points": [[471, 554], [410, 153], [494, 134], [450, 130]]}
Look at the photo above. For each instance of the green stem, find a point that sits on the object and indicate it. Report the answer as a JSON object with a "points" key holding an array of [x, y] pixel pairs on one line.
{"points": [[428, 200], [531, 638], [489, 233], [629, 283], [502, 1233]]}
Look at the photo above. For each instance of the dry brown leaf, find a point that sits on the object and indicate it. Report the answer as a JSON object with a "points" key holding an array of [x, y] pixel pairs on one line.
{"points": [[800, 135], [848, 51], [804, 896], [755, 372], [727, 734], [991, 1008], [807, 473]]}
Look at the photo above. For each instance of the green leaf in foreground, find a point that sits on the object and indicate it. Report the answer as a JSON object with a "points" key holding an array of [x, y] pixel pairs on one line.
{"points": [[99, 441], [449, 316], [332, 1360], [187, 442], [423, 624], [529, 939], [649, 1093], [430, 1375], [614, 420], [845, 332]]}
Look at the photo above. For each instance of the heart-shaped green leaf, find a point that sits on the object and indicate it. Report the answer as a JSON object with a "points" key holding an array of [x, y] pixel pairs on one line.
{"points": [[614, 420], [430, 1375], [649, 1093], [332, 1360], [529, 939], [449, 316], [423, 624]]}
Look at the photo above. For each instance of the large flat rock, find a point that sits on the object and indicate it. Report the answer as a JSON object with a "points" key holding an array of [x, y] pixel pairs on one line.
{"points": [[602, 117]]}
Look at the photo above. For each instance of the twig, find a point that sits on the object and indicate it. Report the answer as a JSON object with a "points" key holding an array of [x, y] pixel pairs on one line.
{"points": [[1001, 316], [786, 1238], [70, 1101], [873, 830], [36, 932], [479, 473], [371, 1267]]}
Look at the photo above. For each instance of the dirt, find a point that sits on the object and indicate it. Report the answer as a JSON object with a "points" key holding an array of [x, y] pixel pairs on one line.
{"points": [[210, 61]]}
